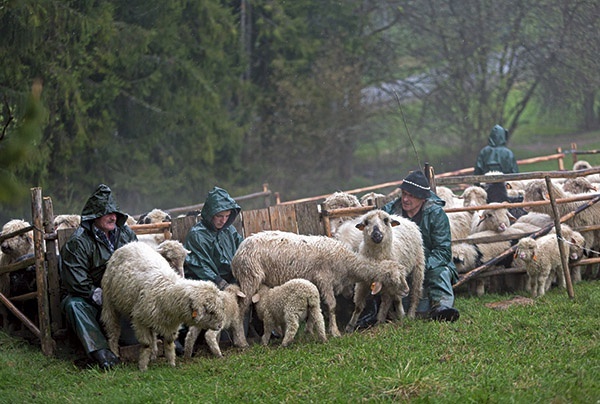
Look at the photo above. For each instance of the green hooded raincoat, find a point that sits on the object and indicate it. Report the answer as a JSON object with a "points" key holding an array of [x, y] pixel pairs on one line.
{"points": [[496, 156]]}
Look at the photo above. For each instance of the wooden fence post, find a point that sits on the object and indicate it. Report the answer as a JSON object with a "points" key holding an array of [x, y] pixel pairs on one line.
{"points": [[48, 344]]}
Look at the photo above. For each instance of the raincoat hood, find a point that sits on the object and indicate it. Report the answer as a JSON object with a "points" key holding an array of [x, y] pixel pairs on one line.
{"points": [[498, 136], [217, 201], [99, 204]]}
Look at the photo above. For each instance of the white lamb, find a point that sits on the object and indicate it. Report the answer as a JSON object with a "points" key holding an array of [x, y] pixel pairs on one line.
{"points": [[542, 261], [233, 320], [390, 237], [140, 284], [275, 257], [284, 307]]}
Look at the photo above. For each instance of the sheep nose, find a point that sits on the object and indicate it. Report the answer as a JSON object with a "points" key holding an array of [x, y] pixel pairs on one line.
{"points": [[377, 235]]}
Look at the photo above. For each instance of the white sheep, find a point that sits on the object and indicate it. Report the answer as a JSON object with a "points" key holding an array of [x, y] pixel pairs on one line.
{"points": [[174, 252], [390, 237], [283, 308], [140, 284], [66, 221], [275, 257], [154, 216], [370, 199], [13, 250], [448, 196], [578, 185], [339, 200], [581, 165], [537, 191], [542, 261], [497, 220], [233, 320]]}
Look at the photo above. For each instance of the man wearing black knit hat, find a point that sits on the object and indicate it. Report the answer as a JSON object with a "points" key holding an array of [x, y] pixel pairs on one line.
{"points": [[423, 207]]}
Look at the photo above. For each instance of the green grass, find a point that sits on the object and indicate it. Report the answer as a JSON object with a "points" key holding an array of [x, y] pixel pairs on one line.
{"points": [[546, 352]]}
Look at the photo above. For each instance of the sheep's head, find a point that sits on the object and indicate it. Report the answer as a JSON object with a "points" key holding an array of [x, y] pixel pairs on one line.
{"points": [[154, 216], [20, 245], [526, 249], [174, 252], [207, 309], [376, 226], [497, 220]]}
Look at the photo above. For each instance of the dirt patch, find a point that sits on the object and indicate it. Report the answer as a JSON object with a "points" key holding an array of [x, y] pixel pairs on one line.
{"points": [[515, 301]]}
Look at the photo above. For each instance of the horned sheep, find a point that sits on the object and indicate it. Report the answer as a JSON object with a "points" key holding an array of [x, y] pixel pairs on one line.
{"points": [[139, 283], [233, 320], [284, 307], [390, 237], [275, 257]]}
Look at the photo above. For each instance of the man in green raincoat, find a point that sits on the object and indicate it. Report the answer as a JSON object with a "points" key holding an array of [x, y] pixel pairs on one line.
{"points": [[213, 241], [84, 258], [496, 156], [423, 207]]}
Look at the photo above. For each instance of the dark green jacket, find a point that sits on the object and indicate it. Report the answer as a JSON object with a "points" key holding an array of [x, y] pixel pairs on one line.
{"points": [[496, 156], [435, 231], [84, 255], [211, 250]]}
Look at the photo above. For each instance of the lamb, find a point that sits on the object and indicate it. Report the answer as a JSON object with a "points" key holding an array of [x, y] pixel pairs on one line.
{"points": [[339, 200], [537, 191], [284, 307], [541, 260], [275, 257], [370, 199], [390, 237], [497, 220], [140, 284], [474, 196], [233, 320], [174, 252]]}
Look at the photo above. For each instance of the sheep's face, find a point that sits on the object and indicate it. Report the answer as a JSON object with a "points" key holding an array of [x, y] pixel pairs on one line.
{"points": [[576, 247], [377, 226], [20, 245], [526, 249], [496, 220], [154, 216], [208, 310], [174, 252]]}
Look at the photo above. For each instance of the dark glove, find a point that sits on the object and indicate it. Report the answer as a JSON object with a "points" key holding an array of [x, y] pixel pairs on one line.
{"points": [[222, 284]]}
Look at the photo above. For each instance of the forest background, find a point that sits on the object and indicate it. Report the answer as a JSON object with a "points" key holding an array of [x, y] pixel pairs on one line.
{"points": [[163, 100]]}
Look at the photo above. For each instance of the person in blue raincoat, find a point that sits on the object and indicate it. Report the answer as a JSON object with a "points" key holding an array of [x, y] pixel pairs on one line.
{"points": [[83, 262], [496, 156]]}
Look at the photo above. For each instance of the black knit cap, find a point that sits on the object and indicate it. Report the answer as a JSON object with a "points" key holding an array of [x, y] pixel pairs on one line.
{"points": [[416, 184]]}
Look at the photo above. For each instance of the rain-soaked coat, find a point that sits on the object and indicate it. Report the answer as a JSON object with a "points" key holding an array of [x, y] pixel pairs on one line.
{"points": [[83, 262], [440, 272], [212, 249], [496, 156]]}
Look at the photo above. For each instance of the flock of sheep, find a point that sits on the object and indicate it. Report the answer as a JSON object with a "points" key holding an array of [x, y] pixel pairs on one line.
{"points": [[289, 277]]}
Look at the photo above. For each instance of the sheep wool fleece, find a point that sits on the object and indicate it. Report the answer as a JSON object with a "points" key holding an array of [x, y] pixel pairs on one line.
{"points": [[211, 250], [84, 257], [440, 272]]}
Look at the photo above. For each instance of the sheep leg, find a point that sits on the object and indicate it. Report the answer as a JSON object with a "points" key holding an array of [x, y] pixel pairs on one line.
{"points": [[239, 338], [315, 319], [212, 339], [170, 348], [291, 328], [146, 338], [190, 341], [329, 300], [268, 326], [110, 318], [360, 300]]}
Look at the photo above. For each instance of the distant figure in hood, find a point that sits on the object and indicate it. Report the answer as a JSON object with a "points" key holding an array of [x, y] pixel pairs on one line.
{"points": [[496, 156], [84, 256]]}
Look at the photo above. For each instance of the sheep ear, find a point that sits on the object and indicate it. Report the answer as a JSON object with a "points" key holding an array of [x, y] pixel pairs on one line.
{"points": [[395, 223], [256, 298], [511, 218], [193, 311], [241, 294], [376, 287], [360, 226]]}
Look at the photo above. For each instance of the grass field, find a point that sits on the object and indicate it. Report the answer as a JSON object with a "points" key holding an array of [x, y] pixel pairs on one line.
{"points": [[546, 352]]}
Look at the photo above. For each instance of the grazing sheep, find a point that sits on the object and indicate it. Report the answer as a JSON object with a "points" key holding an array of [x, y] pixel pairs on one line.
{"points": [[542, 261], [284, 307], [370, 199], [154, 216], [275, 257], [174, 252], [339, 200], [537, 191], [140, 284], [233, 320], [390, 237]]}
